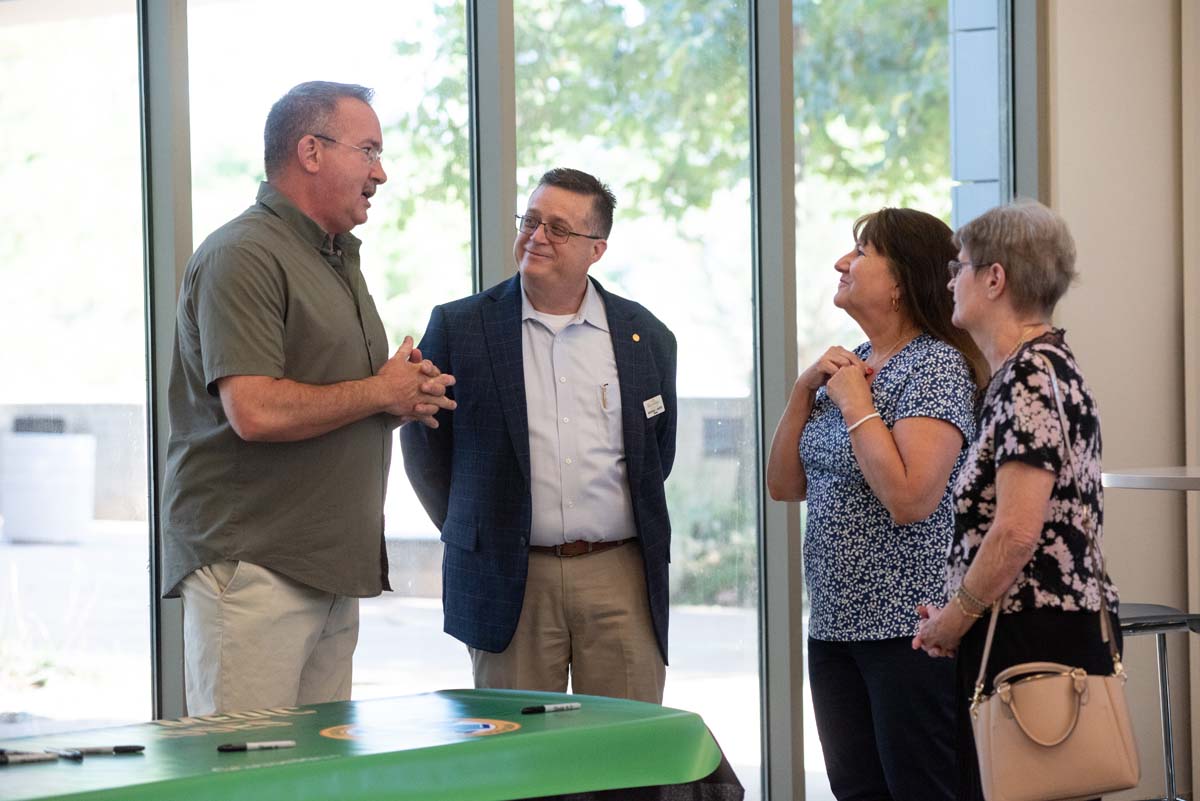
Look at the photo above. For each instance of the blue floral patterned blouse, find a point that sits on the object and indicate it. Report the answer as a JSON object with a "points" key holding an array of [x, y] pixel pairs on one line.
{"points": [[866, 574]]}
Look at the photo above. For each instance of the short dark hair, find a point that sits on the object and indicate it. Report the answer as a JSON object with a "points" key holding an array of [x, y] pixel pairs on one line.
{"points": [[917, 247], [305, 109], [603, 200]]}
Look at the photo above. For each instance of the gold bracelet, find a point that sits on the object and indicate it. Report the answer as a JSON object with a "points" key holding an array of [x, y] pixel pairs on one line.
{"points": [[963, 608], [972, 599]]}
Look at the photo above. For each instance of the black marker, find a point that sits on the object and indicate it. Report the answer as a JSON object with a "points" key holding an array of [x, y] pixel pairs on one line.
{"points": [[77, 754], [264, 745], [96, 750], [540, 708]]}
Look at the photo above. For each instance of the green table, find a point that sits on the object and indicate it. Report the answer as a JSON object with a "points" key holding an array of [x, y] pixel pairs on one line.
{"points": [[473, 745]]}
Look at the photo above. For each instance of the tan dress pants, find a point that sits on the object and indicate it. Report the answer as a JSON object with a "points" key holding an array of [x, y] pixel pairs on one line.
{"points": [[586, 618], [255, 639]]}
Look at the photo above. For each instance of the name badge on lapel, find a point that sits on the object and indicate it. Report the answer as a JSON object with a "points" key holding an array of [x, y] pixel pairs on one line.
{"points": [[654, 406]]}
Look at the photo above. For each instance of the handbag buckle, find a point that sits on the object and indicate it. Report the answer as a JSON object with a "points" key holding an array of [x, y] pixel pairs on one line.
{"points": [[976, 700], [1079, 679]]}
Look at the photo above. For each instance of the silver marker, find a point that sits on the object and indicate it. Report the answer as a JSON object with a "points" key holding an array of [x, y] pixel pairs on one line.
{"points": [[66, 753], [263, 745], [540, 708], [79, 753], [17, 758], [111, 749]]}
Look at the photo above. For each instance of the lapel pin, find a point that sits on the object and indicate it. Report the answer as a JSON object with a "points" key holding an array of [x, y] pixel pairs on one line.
{"points": [[637, 338]]}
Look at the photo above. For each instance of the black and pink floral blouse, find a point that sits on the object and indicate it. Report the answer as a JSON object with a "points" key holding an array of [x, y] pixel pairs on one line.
{"points": [[1019, 421]]}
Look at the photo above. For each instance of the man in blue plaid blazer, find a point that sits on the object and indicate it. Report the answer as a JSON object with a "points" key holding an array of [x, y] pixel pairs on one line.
{"points": [[547, 480]]}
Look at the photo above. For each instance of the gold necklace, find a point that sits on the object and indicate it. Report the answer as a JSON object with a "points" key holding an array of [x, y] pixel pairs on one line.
{"points": [[1024, 338], [887, 354]]}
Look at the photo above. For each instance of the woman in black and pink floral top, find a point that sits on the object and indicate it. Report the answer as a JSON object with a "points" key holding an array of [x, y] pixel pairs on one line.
{"points": [[1020, 536]]}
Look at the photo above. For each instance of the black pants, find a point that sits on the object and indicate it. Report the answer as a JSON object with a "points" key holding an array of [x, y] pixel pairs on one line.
{"points": [[1035, 635], [885, 715]]}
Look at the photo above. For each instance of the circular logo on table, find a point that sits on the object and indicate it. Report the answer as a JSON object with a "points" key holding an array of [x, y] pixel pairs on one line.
{"points": [[346, 732], [482, 726], [474, 727]]}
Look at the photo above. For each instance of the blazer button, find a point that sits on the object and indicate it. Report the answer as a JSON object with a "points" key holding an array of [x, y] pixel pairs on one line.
{"points": [[522, 542]]}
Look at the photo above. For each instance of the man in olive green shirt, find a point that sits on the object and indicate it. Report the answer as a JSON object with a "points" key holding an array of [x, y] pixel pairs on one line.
{"points": [[282, 404]]}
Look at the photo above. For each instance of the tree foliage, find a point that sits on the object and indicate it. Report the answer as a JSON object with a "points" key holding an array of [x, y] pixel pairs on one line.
{"points": [[667, 85], [872, 93]]}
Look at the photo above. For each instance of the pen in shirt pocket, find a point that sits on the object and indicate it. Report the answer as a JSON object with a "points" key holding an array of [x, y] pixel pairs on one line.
{"points": [[604, 397]]}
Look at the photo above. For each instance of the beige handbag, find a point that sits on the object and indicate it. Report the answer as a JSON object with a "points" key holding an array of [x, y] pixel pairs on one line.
{"points": [[1051, 732]]}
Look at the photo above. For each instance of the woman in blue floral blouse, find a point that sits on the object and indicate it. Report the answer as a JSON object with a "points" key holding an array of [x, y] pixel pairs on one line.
{"points": [[871, 438], [1021, 536]]}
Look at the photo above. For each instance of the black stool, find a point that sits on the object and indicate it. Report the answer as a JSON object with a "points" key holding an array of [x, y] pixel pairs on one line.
{"points": [[1157, 619]]}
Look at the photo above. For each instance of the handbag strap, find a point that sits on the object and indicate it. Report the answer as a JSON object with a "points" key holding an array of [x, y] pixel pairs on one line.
{"points": [[1089, 529]]}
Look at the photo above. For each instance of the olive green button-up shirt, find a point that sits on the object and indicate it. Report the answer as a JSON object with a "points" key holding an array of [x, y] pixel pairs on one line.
{"points": [[267, 294]]}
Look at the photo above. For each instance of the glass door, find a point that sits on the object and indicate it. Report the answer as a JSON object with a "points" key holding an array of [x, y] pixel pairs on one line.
{"points": [[416, 245], [74, 537], [653, 99], [872, 130]]}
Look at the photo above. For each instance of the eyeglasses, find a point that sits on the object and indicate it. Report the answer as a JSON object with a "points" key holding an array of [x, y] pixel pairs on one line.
{"points": [[373, 154], [956, 267], [558, 234]]}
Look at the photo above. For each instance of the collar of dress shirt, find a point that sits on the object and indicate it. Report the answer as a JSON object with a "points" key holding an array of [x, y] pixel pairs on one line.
{"points": [[304, 226], [590, 311]]}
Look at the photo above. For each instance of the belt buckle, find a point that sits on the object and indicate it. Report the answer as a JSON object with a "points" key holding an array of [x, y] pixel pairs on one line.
{"points": [[589, 547]]}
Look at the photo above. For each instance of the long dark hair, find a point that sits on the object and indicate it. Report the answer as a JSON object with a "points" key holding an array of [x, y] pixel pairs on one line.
{"points": [[917, 246]]}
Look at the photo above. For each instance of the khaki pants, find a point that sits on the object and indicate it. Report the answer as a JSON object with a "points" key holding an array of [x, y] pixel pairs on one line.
{"points": [[587, 617], [255, 639]]}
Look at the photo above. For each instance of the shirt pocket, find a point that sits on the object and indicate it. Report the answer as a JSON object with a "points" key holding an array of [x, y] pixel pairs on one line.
{"points": [[608, 401]]}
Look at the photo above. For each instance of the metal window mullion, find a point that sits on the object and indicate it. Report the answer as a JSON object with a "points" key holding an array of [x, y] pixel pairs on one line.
{"points": [[774, 226], [167, 238], [492, 83], [1024, 56]]}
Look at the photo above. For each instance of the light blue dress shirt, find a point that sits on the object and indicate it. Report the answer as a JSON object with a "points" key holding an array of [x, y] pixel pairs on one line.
{"points": [[580, 486]]}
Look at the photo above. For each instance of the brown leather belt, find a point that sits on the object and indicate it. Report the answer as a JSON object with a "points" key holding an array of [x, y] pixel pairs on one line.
{"points": [[578, 548]]}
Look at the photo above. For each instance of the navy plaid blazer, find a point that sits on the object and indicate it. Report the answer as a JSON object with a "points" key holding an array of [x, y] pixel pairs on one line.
{"points": [[472, 472]]}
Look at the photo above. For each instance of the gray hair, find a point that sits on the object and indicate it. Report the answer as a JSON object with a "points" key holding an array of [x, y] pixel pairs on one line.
{"points": [[1033, 244], [305, 109]]}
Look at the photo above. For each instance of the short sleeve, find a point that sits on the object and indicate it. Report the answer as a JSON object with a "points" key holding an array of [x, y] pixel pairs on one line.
{"points": [[940, 387], [1027, 425], [240, 303]]}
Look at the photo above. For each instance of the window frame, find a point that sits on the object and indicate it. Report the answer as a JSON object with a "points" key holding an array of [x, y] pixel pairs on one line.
{"points": [[163, 70]]}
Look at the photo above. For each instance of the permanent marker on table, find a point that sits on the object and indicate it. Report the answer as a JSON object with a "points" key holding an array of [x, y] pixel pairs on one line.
{"points": [[18, 757], [78, 754], [264, 745], [90, 750], [540, 708], [66, 753]]}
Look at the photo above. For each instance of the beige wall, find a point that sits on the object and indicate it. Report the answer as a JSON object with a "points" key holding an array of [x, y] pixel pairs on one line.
{"points": [[1114, 145]]}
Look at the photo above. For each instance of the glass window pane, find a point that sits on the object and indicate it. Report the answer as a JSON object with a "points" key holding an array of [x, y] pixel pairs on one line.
{"points": [[657, 106], [74, 540], [416, 243], [872, 130]]}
